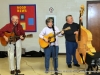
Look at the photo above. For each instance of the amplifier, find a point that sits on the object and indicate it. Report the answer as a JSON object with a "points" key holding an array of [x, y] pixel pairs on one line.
{"points": [[93, 60], [94, 74]]}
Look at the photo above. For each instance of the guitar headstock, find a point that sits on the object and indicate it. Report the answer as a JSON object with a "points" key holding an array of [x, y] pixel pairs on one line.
{"points": [[81, 10], [29, 35]]}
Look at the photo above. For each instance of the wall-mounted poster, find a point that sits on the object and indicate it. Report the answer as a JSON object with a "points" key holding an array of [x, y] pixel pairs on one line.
{"points": [[26, 14]]}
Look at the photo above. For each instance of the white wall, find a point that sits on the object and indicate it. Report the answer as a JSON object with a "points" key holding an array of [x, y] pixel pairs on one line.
{"points": [[61, 9]]}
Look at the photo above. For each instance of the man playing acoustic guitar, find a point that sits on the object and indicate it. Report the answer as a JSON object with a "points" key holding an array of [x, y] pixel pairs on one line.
{"points": [[15, 27], [53, 46]]}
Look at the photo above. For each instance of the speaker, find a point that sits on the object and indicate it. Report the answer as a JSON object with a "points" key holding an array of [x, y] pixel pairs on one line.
{"points": [[93, 60], [3, 54], [94, 74]]}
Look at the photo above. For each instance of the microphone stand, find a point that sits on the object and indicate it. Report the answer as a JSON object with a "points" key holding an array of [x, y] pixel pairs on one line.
{"points": [[56, 72], [16, 59], [15, 39]]}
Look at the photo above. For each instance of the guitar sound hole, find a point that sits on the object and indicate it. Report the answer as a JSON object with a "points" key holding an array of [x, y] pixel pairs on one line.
{"points": [[11, 39], [49, 39]]}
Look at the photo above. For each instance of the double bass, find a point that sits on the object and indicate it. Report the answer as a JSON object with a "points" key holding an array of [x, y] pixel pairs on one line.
{"points": [[83, 40]]}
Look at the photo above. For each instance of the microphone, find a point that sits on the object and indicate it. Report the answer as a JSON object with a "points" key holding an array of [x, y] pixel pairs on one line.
{"points": [[15, 23]]}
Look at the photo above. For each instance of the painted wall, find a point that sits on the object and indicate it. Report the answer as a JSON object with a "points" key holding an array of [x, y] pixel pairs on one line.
{"points": [[61, 9]]}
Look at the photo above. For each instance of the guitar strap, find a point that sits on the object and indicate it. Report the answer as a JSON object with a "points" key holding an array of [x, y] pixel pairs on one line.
{"points": [[54, 32]]}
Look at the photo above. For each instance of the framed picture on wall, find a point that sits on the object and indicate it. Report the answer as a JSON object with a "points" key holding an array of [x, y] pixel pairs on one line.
{"points": [[22, 17], [26, 14], [53, 17]]}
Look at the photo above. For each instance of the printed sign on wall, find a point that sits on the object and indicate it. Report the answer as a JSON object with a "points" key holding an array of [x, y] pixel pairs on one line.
{"points": [[26, 14]]}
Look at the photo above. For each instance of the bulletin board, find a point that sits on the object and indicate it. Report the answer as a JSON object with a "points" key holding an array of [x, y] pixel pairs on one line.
{"points": [[26, 14]]}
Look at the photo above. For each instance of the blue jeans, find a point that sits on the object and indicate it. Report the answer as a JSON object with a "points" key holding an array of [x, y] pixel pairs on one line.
{"points": [[48, 51], [71, 51]]}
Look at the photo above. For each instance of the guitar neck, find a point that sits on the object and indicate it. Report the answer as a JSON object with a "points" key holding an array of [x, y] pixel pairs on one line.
{"points": [[59, 32], [18, 36], [29, 35], [56, 34]]}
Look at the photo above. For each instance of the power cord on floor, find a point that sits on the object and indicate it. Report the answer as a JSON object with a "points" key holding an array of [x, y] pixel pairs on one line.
{"points": [[30, 67]]}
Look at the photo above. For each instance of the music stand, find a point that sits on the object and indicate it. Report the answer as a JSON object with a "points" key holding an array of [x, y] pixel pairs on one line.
{"points": [[56, 72]]}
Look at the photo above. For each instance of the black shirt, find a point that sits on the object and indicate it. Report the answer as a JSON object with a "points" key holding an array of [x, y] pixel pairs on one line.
{"points": [[69, 34]]}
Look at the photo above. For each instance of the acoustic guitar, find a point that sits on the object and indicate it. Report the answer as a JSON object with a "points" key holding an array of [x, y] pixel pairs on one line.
{"points": [[50, 37], [11, 38]]}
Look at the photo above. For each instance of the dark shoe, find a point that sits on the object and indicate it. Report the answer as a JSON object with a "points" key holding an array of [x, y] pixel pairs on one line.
{"points": [[18, 71], [56, 70], [47, 70], [12, 72], [77, 65], [69, 66]]}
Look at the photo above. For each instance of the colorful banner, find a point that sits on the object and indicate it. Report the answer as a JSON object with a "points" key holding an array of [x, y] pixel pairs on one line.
{"points": [[26, 14]]}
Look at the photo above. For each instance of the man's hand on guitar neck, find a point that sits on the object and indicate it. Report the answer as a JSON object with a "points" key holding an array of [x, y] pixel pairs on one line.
{"points": [[45, 39], [21, 37], [6, 38]]}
